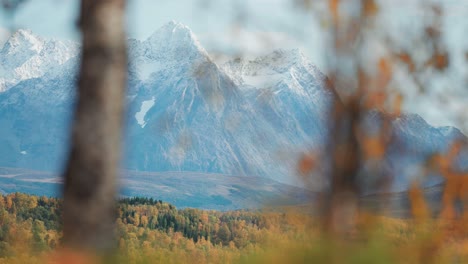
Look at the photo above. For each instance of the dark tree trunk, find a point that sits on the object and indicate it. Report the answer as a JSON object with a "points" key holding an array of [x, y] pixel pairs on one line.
{"points": [[91, 172]]}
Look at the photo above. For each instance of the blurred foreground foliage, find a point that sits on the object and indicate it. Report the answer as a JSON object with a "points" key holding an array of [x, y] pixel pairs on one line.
{"points": [[151, 231]]}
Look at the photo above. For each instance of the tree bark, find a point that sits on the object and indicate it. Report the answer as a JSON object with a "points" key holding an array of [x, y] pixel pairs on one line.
{"points": [[91, 172]]}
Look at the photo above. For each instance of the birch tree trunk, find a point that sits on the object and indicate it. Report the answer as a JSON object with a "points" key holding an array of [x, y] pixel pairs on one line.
{"points": [[92, 169]]}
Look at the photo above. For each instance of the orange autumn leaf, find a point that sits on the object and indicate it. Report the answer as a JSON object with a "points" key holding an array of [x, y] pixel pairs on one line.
{"points": [[419, 207], [448, 213], [406, 58], [333, 6], [440, 162], [364, 82], [454, 150], [373, 147], [464, 188], [67, 256], [450, 189], [369, 7], [397, 104], [306, 164], [385, 72], [376, 99], [439, 60]]}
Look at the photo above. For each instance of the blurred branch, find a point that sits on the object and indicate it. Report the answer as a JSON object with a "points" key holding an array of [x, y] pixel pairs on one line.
{"points": [[11, 4]]}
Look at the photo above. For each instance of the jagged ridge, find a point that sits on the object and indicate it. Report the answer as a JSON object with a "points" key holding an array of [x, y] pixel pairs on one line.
{"points": [[186, 113]]}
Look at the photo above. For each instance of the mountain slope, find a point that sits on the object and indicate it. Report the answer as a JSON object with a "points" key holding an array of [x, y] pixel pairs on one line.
{"points": [[26, 56], [185, 113]]}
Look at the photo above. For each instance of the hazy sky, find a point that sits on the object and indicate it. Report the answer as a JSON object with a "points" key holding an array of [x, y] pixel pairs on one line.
{"points": [[251, 27], [215, 22]]}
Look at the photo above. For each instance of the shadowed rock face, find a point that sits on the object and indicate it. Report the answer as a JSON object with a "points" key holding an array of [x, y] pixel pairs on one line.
{"points": [[185, 113]]}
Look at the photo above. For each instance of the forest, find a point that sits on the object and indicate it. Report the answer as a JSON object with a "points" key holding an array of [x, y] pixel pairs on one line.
{"points": [[152, 231]]}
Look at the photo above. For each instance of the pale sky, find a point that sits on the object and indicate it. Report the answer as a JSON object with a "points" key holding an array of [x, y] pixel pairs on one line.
{"points": [[267, 25]]}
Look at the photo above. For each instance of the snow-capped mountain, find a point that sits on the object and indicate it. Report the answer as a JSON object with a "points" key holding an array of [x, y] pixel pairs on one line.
{"points": [[26, 56], [189, 114], [186, 113]]}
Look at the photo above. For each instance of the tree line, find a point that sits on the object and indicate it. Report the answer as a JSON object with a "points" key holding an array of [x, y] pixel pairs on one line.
{"points": [[39, 221]]}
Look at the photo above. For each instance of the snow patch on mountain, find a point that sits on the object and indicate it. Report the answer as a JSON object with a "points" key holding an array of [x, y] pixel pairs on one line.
{"points": [[145, 106]]}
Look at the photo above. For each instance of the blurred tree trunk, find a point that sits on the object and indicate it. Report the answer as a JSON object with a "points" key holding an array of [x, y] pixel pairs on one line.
{"points": [[341, 206], [91, 172]]}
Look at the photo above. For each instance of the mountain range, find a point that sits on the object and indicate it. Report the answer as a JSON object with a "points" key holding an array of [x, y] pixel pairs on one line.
{"points": [[187, 114]]}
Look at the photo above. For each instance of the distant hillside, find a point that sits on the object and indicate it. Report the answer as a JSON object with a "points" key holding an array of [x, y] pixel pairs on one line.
{"points": [[197, 190], [217, 192]]}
